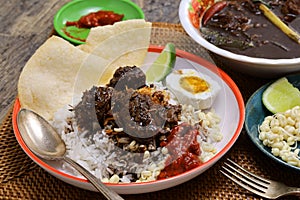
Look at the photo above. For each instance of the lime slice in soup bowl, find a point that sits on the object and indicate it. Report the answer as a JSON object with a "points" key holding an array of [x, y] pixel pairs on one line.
{"points": [[76, 9]]}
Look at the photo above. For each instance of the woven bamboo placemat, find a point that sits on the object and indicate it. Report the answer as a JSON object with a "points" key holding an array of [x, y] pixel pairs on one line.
{"points": [[21, 178]]}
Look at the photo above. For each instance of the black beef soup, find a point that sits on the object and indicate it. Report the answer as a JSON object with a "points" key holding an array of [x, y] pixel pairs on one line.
{"points": [[242, 28]]}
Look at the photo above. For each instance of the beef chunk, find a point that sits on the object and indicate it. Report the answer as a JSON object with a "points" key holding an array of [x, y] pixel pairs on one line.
{"points": [[128, 77], [94, 108]]}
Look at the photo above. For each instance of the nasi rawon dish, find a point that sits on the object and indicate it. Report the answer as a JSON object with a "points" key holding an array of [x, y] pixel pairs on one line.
{"points": [[122, 128]]}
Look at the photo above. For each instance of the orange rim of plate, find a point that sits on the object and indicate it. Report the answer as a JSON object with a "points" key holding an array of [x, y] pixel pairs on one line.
{"points": [[154, 49]]}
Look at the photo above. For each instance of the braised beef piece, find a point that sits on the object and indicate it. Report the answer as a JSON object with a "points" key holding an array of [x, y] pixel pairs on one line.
{"points": [[141, 109], [93, 108], [291, 7], [141, 115], [96, 102], [103, 97], [145, 108], [128, 77], [235, 22], [146, 111]]}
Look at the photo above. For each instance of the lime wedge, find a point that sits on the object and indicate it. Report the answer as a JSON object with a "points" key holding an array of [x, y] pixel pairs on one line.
{"points": [[163, 65], [281, 96]]}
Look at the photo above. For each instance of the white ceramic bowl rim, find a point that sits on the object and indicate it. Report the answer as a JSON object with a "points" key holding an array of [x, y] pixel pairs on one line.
{"points": [[133, 188], [195, 34]]}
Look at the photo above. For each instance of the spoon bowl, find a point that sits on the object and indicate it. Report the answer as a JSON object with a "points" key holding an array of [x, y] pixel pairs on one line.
{"points": [[39, 136], [43, 140]]}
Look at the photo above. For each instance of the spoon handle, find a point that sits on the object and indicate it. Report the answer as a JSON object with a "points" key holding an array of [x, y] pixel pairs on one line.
{"points": [[108, 193]]}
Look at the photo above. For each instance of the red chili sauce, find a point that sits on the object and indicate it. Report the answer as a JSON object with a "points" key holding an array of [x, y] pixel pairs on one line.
{"points": [[71, 36], [184, 151], [99, 18]]}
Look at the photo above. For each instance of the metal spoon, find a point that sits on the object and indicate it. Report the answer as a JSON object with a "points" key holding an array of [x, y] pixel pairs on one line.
{"points": [[43, 140]]}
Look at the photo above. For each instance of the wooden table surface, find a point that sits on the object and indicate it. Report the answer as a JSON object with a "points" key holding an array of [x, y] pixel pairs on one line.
{"points": [[26, 24]]}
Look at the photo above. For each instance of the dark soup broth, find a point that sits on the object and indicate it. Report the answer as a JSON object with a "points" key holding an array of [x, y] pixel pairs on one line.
{"points": [[242, 28]]}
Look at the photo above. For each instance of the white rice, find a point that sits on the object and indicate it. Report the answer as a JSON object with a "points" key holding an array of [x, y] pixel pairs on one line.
{"points": [[98, 153]]}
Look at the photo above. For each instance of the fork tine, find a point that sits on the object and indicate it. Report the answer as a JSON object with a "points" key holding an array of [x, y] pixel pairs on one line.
{"points": [[240, 176], [254, 175], [245, 174], [243, 185]]}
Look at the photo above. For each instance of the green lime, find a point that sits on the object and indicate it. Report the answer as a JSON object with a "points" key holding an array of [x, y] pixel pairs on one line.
{"points": [[163, 65], [281, 96]]}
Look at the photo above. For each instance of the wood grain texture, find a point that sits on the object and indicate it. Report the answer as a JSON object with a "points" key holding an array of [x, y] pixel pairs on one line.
{"points": [[26, 24]]}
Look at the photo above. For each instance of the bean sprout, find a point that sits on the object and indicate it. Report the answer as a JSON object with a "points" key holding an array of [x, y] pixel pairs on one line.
{"points": [[281, 132]]}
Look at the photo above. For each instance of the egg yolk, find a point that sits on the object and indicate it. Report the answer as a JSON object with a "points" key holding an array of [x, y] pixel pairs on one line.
{"points": [[193, 84]]}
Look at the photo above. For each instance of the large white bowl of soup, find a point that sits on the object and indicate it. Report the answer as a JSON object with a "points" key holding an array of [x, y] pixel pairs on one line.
{"points": [[238, 34]]}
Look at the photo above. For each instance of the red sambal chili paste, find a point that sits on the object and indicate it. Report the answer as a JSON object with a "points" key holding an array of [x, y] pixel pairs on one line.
{"points": [[99, 18], [184, 151]]}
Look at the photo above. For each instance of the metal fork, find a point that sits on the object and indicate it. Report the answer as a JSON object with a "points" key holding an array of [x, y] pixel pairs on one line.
{"points": [[261, 186]]}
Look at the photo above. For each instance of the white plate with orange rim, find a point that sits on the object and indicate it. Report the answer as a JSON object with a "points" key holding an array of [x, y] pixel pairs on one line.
{"points": [[229, 105]]}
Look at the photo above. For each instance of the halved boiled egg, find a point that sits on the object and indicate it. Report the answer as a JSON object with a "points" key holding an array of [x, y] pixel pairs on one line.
{"points": [[193, 88]]}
